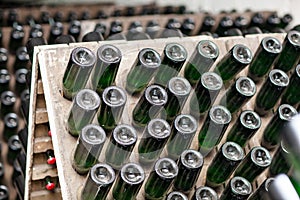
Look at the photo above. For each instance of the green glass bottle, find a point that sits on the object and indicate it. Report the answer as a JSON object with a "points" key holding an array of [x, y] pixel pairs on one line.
{"points": [[256, 161], [110, 112], [120, 147], [271, 91], [264, 57], [142, 72], [182, 134], [262, 192], [83, 109], [238, 94], [290, 55], [280, 163], [98, 183], [88, 148], [80, 65], [189, 167], [205, 93], [292, 93], [160, 179], [272, 133], [224, 163], [175, 195], [213, 128], [178, 90], [202, 59], [205, 193], [149, 105], [106, 68], [238, 188], [154, 138], [233, 62], [283, 187], [246, 126], [129, 182], [172, 62]]}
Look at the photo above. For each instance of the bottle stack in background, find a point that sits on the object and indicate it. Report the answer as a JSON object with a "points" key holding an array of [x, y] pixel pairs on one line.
{"points": [[231, 168]]}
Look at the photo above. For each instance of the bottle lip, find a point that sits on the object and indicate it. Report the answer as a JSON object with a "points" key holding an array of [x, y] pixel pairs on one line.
{"points": [[185, 124], [179, 86], [242, 53], [155, 55], [14, 143], [244, 183], [138, 174], [176, 195], [93, 134], [163, 124], [120, 96], [88, 99], [286, 112], [281, 81], [192, 159], [8, 97], [83, 57], [255, 120], [263, 159], [4, 76], [297, 70], [294, 37], [129, 134], [211, 81], [21, 75], [232, 151], [272, 45], [170, 173], [212, 193], [108, 174], [180, 52], [245, 86], [220, 111], [115, 56], [12, 119], [267, 183], [4, 191], [208, 49], [162, 92]]}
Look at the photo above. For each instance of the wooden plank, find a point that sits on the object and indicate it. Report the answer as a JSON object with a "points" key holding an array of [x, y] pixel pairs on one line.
{"points": [[55, 58], [40, 89], [41, 116], [42, 144], [43, 170]]}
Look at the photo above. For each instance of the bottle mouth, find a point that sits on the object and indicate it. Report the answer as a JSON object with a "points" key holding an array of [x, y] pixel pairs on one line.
{"points": [[132, 173], [176, 52], [125, 135], [211, 81], [179, 86], [159, 128], [279, 78], [8, 98], [109, 53], [242, 54], [268, 183], [250, 119], [240, 186], [294, 37], [11, 120], [93, 134], [245, 86], [208, 49], [88, 99], [206, 193], [102, 174], [186, 124], [156, 95], [4, 76], [286, 112], [261, 156], [177, 196], [83, 56], [272, 45], [192, 159], [21, 75], [149, 58], [220, 115], [166, 168], [232, 151], [3, 56], [114, 96]]}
